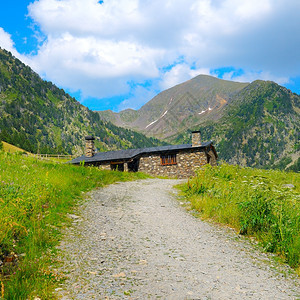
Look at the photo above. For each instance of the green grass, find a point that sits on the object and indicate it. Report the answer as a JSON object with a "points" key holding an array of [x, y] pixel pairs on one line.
{"points": [[11, 148], [35, 199], [255, 202]]}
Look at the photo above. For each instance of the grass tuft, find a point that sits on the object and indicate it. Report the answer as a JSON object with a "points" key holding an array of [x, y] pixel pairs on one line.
{"points": [[35, 199], [260, 203]]}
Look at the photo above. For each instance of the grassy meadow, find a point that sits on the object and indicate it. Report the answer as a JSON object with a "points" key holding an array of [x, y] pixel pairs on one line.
{"points": [[11, 148], [264, 204], [35, 199]]}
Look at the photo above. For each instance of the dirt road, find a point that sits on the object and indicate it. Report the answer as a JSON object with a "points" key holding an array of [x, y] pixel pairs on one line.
{"points": [[133, 240]]}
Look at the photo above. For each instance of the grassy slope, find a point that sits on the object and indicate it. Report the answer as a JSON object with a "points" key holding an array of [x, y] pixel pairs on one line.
{"points": [[35, 198], [11, 148], [39, 117], [254, 202]]}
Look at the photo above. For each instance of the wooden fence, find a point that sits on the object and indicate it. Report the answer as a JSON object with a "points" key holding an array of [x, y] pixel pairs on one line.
{"points": [[53, 156]]}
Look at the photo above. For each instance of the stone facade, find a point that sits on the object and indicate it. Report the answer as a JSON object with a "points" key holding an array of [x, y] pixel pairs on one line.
{"points": [[187, 163], [105, 166], [212, 160]]}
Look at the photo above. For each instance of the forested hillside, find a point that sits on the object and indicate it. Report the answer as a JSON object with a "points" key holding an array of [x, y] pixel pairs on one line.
{"points": [[39, 117], [261, 128]]}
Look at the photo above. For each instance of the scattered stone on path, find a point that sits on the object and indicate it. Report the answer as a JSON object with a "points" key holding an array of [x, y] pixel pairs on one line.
{"points": [[142, 244], [74, 217], [122, 274]]}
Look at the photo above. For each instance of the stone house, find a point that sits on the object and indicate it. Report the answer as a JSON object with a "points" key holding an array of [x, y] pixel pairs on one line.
{"points": [[179, 161]]}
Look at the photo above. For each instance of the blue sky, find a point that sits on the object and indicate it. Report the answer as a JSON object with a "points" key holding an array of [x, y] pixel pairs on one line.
{"points": [[115, 54]]}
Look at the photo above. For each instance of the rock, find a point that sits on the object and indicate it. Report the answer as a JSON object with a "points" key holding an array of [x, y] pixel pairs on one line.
{"points": [[122, 274], [74, 217], [12, 257], [91, 272], [289, 186]]}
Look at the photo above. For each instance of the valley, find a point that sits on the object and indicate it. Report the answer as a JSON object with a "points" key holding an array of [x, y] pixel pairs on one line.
{"points": [[251, 124]]}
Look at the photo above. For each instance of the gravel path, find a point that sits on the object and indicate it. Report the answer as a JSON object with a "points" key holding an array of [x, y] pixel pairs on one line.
{"points": [[133, 240]]}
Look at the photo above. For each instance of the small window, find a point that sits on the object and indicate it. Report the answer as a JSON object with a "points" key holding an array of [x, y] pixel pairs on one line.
{"points": [[168, 159]]}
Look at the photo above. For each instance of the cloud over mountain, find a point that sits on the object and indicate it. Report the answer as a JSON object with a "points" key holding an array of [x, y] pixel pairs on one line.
{"points": [[99, 47]]}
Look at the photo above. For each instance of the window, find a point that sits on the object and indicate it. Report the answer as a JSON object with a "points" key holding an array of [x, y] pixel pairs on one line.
{"points": [[168, 159]]}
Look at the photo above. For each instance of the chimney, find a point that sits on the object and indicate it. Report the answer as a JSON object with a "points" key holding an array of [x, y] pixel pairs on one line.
{"points": [[89, 146], [196, 139]]}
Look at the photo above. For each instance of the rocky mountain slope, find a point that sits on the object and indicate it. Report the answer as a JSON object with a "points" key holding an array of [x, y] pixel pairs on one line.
{"points": [[179, 108], [261, 128], [39, 117], [252, 124]]}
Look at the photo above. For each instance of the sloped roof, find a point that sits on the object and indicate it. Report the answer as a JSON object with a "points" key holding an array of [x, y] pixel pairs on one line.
{"points": [[132, 153]]}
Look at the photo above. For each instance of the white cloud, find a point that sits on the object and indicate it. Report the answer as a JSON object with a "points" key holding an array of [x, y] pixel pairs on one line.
{"points": [[141, 96], [251, 76], [6, 41], [98, 48], [100, 68], [180, 73], [84, 17]]}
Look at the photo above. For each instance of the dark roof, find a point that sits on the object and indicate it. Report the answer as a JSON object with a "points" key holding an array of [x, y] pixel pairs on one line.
{"points": [[132, 153]]}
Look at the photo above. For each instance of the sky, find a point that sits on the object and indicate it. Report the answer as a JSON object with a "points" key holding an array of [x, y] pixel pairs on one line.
{"points": [[118, 54]]}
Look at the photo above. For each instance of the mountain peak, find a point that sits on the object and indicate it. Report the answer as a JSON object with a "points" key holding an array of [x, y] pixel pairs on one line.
{"points": [[189, 103]]}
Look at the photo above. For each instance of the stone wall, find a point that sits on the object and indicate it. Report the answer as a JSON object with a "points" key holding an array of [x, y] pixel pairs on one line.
{"points": [[105, 166], [212, 158], [187, 163]]}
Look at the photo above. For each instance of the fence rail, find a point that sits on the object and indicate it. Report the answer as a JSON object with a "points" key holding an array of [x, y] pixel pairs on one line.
{"points": [[58, 156]]}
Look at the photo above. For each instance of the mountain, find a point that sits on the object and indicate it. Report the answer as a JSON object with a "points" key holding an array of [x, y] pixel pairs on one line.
{"points": [[179, 108], [39, 117], [252, 124], [261, 128]]}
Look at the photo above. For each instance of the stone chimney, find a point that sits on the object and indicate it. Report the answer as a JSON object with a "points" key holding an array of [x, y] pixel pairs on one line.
{"points": [[196, 139], [89, 146]]}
